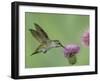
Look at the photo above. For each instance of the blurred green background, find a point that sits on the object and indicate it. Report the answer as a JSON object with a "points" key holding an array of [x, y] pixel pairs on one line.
{"points": [[68, 28]]}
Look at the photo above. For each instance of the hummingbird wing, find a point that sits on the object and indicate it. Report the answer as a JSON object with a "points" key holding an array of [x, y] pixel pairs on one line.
{"points": [[44, 36], [36, 35]]}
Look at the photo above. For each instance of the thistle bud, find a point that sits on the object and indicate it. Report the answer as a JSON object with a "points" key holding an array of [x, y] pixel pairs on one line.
{"points": [[70, 52]]}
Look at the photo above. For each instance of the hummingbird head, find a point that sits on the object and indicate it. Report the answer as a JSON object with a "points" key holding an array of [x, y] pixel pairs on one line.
{"points": [[58, 43]]}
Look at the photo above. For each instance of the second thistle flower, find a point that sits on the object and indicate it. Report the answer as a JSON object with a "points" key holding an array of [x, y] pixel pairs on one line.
{"points": [[86, 38]]}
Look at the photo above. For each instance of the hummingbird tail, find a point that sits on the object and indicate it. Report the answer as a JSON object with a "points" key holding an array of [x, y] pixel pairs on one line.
{"points": [[34, 53]]}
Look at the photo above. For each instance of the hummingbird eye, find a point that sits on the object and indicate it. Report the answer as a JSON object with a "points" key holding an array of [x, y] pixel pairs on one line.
{"points": [[58, 42]]}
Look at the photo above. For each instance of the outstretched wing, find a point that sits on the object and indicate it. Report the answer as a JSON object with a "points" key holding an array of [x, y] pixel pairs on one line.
{"points": [[36, 35], [43, 34]]}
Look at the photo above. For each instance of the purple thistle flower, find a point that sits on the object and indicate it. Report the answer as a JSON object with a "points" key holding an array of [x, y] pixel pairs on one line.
{"points": [[71, 50], [86, 38]]}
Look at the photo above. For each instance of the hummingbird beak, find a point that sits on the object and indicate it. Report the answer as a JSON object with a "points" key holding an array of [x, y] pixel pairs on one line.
{"points": [[62, 45]]}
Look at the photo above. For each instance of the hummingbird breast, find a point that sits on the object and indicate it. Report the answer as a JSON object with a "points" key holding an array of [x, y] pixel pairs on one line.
{"points": [[48, 46]]}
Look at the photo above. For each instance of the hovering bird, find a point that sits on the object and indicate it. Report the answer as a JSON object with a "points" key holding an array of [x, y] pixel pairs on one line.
{"points": [[45, 42]]}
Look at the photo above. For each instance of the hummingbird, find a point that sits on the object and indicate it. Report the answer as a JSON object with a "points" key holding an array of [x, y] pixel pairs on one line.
{"points": [[45, 42]]}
